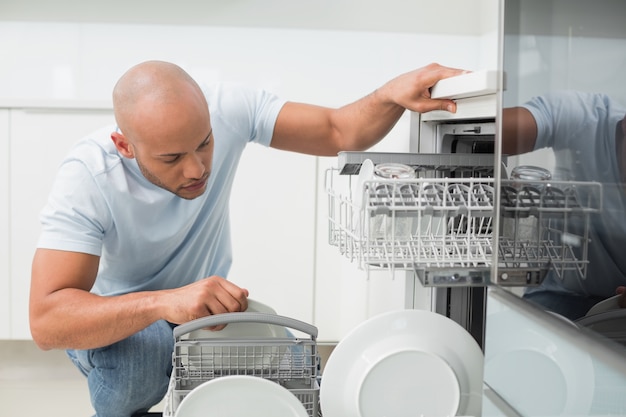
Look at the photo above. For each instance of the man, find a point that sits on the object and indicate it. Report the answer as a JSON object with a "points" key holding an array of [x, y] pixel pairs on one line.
{"points": [[586, 132], [136, 233]]}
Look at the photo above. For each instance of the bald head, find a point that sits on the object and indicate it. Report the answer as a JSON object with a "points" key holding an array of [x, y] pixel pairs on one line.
{"points": [[150, 91]]}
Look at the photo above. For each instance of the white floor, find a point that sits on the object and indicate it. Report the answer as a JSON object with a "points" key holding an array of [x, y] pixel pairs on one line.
{"points": [[37, 383], [33, 382]]}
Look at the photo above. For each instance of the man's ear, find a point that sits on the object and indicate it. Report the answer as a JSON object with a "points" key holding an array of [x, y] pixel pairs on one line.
{"points": [[123, 145]]}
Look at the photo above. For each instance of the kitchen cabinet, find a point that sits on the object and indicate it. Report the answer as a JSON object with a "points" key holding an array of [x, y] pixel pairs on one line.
{"points": [[345, 294], [272, 209], [5, 296], [39, 139]]}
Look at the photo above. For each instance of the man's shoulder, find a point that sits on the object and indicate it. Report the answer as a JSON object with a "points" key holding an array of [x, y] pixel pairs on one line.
{"points": [[95, 150], [231, 96]]}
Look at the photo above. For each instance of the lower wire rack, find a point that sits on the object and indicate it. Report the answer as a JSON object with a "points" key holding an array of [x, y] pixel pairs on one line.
{"points": [[288, 361]]}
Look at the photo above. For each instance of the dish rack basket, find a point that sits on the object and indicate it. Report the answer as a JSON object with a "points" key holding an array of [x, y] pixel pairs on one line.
{"points": [[289, 361], [441, 225]]}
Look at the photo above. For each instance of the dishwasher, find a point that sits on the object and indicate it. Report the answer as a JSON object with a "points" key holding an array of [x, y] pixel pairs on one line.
{"points": [[200, 356], [459, 223]]}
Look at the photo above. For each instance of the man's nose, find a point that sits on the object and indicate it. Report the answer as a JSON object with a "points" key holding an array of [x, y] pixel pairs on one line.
{"points": [[194, 167]]}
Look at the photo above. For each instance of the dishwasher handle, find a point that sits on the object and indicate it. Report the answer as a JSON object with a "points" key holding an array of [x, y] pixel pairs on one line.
{"points": [[244, 317]]}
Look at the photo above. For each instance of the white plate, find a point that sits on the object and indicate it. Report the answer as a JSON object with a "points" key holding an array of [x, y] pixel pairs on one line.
{"points": [[245, 330], [404, 363], [562, 318], [610, 324], [607, 318], [536, 372], [610, 303], [240, 396], [210, 355]]}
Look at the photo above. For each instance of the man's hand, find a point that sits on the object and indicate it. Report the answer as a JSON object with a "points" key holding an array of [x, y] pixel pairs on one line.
{"points": [[622, 300], [412, 89], [64, 314], [213, 295]]}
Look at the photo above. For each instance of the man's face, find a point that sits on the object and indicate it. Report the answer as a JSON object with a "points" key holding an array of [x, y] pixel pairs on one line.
{"points": [[168, 131], [179, 165]]}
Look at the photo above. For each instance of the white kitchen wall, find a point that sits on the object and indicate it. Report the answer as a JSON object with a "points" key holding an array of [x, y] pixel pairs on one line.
{"points": [[82, 61], [448, 17]]}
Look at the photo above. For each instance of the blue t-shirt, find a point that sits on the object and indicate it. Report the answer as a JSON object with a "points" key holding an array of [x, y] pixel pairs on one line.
{"points": [[149, 238], [581, 129]]}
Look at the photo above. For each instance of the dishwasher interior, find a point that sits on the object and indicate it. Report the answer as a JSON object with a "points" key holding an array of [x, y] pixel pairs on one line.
{"points": [[457, 228]]}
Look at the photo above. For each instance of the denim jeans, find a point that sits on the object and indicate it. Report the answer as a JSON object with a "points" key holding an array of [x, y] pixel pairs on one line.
{"points": [[131, 375]]}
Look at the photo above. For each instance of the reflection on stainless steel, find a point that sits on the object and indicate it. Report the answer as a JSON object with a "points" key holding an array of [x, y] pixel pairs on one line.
{"points": [[537, 225], [576, 140]]}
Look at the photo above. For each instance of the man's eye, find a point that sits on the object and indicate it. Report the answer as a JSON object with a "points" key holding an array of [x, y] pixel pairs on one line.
{"points": [[204, 144], [171, 160]]}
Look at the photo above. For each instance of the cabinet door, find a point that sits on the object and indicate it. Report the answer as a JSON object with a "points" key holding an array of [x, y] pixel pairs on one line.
{"points": [[39, 141], [345, 296], [273, 223], [5, 296]]}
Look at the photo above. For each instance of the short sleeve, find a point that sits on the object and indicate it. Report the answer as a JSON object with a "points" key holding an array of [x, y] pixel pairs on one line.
{"points": [[247, 112], [76, 215]]}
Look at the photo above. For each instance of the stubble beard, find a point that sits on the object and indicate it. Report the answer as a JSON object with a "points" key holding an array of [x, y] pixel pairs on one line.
{"points": [[156, 181]]}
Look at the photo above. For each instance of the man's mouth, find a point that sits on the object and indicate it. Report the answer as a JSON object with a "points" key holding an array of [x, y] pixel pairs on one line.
{"points": [[197, 185]]}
